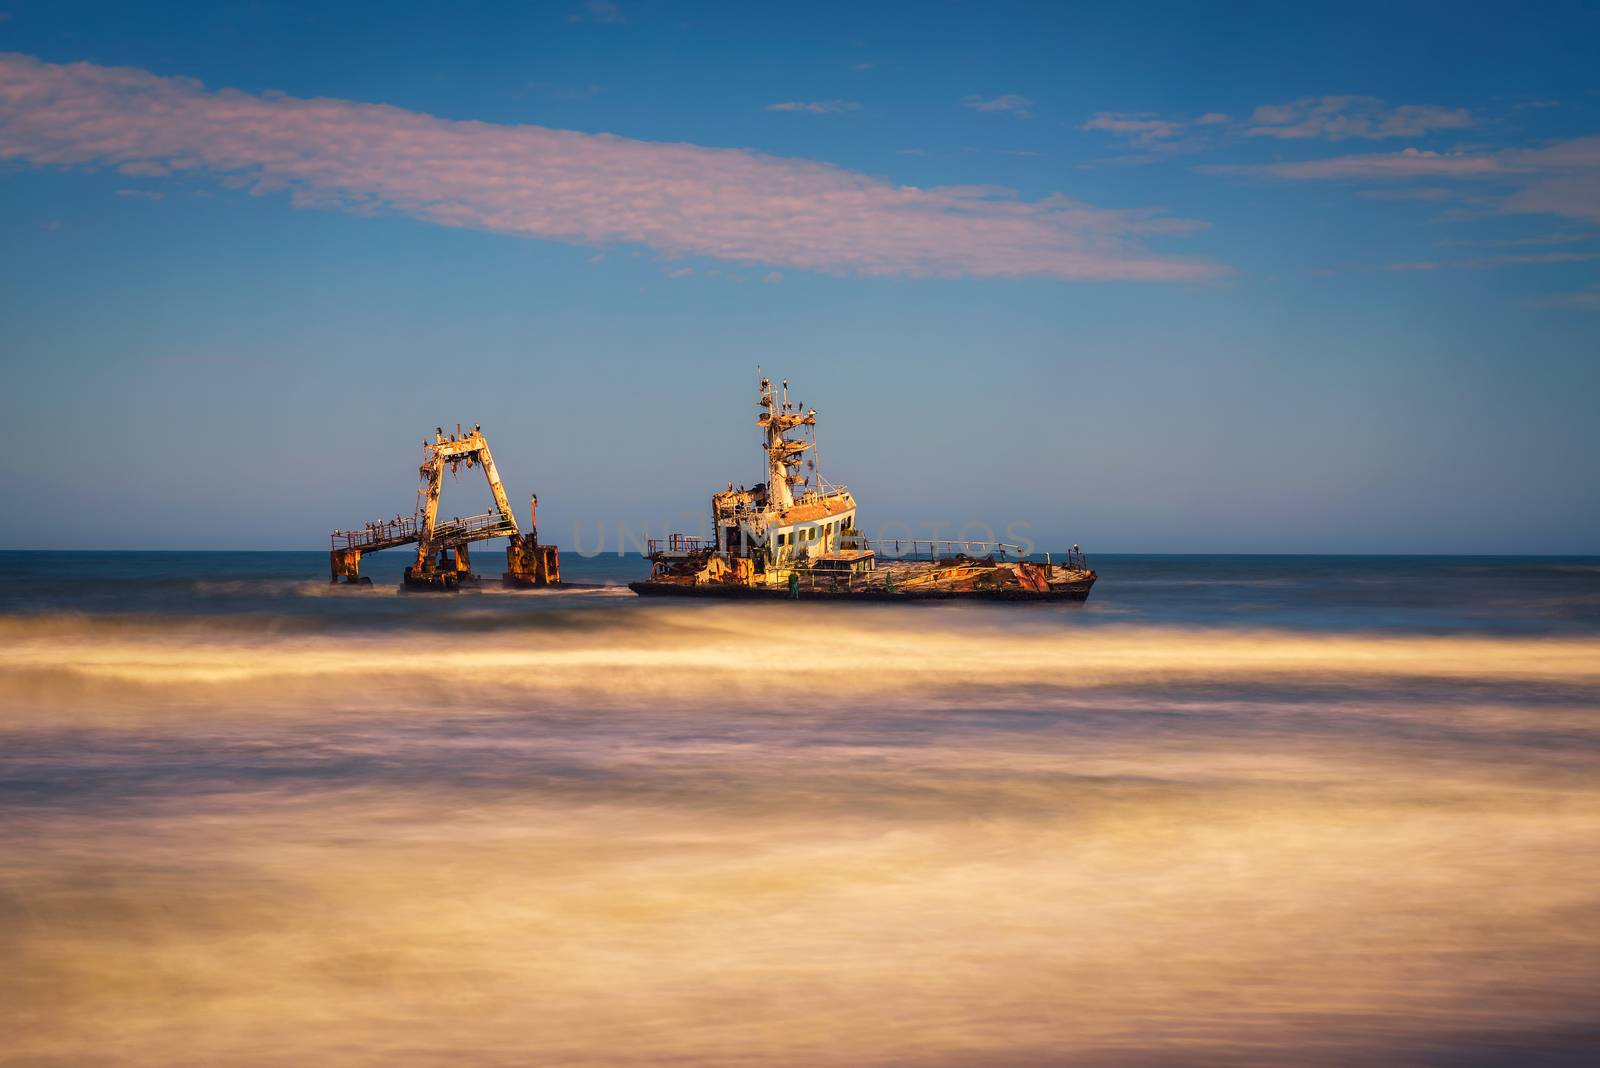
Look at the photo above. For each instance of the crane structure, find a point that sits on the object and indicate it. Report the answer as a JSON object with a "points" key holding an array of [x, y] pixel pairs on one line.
{"points": [[443, 562]]}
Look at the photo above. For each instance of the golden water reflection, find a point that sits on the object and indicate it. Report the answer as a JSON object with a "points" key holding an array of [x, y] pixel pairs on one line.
{"points": [[934, 840]]}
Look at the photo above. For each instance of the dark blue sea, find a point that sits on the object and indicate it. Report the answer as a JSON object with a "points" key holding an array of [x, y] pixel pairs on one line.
{"points": [[1422, 594], [1234, 810]]}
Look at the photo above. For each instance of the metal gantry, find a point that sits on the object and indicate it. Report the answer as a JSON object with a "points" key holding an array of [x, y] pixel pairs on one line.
{"points": [[443, 561]]}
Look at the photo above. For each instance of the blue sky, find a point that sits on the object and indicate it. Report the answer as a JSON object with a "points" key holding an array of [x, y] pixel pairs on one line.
{"points": [[1254, 279]]}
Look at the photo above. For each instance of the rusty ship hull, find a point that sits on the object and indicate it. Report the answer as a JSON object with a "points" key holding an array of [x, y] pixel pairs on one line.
{"points": [[1072, 591]]}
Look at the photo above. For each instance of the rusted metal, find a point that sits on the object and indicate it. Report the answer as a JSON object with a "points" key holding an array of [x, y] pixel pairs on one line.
{"points": [[771, 542], [443, 561], [527, 562]]}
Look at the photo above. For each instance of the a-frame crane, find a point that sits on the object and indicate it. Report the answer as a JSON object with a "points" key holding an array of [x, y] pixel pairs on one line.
{"points": [[443, 562]]}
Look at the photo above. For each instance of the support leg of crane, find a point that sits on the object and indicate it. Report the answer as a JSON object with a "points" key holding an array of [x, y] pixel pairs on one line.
{"points": [[431, 581], [462, 565], [346, 564], [446, 571]]}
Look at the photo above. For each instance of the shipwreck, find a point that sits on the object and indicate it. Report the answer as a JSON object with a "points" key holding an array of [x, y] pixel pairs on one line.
{"points": [[795, 536], [443, 562]]}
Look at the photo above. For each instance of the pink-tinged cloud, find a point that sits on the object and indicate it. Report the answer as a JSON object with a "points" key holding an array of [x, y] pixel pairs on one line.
{"points": [[1338, 117], [1564, 238], [1423, 192], [1411, 163], [1560, 179], [599, 11], [816, 107], [1566, 180], [1020, 106], [1584, 299], [561, 185], [1141, 129], [1525, 258]]}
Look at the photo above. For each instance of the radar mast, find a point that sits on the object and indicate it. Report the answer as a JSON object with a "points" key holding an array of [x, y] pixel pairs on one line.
{"points": [[783, 453]]}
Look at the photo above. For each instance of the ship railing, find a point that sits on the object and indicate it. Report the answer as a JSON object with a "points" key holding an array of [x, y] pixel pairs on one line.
{"points": [[381, 534], [1071, 560], [483, 525], [399, 531], [677, 545], [931, 548]]}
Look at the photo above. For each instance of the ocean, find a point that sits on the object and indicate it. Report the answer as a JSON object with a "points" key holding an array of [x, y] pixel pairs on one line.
{"points": [[1234, 810]]}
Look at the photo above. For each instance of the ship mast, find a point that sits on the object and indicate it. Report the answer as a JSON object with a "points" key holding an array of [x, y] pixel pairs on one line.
{"points": [[783, 453]]}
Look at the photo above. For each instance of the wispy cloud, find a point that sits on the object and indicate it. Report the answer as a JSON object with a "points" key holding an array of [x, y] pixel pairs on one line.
{"points": [[816, 107], [559, 91], [598, 11], [1332, 118], [141, 194], [562, 185], [1410, 163], [1564, 238], [1421, 192], [144, 169], [1587, 299], [1560, 179], [1140, 129], [1523, 259], [1019, 106], [1336, 118]]}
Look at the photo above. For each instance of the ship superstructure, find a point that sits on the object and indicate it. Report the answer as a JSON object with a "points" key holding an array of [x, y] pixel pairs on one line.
{"points": [[772, 522], [795, 535]]}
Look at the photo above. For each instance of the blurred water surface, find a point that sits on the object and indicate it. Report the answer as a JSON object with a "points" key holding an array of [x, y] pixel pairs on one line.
{"points": [[1234, 810]]}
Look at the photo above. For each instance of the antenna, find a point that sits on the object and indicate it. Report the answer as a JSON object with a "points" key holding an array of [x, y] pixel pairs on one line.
{"points": [[816, 457]]}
